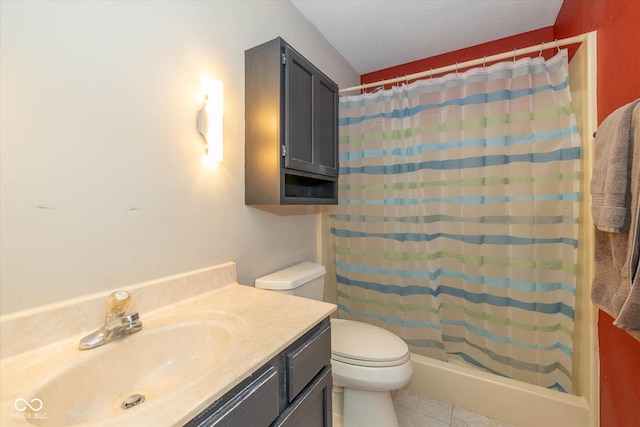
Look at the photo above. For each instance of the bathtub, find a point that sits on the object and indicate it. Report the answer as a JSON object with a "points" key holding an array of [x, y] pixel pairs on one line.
{"points": [[511, 401]]}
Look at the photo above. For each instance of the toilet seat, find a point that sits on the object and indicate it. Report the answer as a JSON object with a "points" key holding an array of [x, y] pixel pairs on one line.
{"points": [[362, 344]]}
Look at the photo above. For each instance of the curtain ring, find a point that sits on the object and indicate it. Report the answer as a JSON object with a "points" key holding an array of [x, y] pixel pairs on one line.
{"points": [[484, 63], [378, 88], [406, 79], [541, 49], [558, 45]]}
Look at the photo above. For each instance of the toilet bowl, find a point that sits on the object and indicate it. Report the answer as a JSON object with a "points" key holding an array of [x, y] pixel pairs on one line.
{"points": [[368, 362]]}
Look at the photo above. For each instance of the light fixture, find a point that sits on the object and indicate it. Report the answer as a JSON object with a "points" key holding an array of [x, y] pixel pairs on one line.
{"points": [[209, 121]]}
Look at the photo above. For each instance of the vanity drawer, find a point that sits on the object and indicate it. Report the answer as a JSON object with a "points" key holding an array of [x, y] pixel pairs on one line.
{"points": [[303, 363], [256, 405]]}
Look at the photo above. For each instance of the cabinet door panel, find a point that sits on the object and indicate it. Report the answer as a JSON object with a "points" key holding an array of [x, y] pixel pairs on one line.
{"points": [[299, 82], [326, 126]]}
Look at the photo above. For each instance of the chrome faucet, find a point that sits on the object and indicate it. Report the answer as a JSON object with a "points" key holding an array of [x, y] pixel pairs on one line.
{"points": [[119, 322]]}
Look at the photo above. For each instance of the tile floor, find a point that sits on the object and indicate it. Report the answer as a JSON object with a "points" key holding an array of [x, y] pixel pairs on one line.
{"points": [[416, 410]]}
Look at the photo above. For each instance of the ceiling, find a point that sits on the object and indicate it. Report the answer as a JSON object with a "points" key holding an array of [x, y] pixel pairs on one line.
{"points": [[377, 34]]}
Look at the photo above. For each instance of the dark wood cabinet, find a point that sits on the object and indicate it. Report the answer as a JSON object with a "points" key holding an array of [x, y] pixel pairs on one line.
{"points": [[312, 408], [291, 390], [291, 129]]}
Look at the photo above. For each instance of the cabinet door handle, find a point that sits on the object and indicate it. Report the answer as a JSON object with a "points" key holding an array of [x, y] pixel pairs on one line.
{"points": [[283, 148]]}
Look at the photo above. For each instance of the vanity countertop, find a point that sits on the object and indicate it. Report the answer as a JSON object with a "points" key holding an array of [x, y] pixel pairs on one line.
{"points": [[265, 323]]}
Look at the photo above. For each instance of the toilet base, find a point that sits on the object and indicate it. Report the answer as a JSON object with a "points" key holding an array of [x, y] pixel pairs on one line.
{"points": [[360, 408], [337, 400]]}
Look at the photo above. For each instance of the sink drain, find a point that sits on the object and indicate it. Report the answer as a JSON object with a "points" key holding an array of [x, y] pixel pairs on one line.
{"points": [[131, 401]]}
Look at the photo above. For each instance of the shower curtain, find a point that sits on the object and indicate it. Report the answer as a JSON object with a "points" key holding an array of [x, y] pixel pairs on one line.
{"points": [[458, 217]]}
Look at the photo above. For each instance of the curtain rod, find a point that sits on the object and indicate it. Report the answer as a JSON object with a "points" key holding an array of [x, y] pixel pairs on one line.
{"points": [[473, 62]]}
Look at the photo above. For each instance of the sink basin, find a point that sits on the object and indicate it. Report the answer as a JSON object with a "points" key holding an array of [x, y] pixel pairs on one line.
{"points": [[154, 362]]}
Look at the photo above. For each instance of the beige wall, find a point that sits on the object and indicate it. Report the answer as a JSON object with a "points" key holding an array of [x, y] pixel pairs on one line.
{"points": [[102, 180]]}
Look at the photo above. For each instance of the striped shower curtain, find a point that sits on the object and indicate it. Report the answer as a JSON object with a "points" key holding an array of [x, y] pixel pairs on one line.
{"points": [[458, 217]]}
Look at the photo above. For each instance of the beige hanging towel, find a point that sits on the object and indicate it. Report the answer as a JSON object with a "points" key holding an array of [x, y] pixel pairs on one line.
{"points": [[615, 187]]}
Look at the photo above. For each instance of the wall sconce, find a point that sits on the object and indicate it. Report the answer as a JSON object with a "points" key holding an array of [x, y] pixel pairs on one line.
{"points": [[209, 120]]}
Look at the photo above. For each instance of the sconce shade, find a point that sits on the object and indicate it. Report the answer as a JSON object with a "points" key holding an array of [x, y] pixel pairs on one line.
{"points": [[210, 120], [202, 123]]}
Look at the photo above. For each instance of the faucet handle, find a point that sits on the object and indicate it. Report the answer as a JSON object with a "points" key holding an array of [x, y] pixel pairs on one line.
{"points": [[118, 302]]}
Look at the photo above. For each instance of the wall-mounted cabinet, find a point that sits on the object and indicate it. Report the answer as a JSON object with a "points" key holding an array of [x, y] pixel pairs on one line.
{"points": [[291, 129]]}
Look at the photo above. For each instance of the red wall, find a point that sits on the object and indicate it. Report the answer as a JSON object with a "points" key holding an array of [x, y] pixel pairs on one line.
{"points": [[618, 82], [618, 31], [618, 26], [498, 46]]}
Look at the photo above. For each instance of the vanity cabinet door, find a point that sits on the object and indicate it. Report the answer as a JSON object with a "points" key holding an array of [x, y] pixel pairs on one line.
{"points": [[304, 363], [312, 408]]}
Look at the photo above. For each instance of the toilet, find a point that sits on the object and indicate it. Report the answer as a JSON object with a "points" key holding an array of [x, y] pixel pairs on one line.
{"points": [[368, 362]]}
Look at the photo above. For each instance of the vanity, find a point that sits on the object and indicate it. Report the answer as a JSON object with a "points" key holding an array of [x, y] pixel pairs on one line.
{"points": [[293, 389], [211, 352]]}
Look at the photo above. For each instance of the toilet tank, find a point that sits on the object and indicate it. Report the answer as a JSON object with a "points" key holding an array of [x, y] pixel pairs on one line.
{"points": [[304, 280]]}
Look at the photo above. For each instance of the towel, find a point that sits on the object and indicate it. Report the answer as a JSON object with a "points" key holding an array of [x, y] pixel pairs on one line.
{"points": [[615, 187], [609, 184]]}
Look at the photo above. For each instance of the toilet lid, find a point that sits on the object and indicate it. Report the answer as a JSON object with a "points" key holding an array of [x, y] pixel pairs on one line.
{"points": [[363, 344]]}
